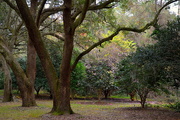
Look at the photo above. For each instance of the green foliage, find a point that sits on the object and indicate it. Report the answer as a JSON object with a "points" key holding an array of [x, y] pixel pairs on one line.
{"points": [[175, 106], [151, 68], [77, 78], [100, 76], [168, 48], [2, 12], [41, 80]]}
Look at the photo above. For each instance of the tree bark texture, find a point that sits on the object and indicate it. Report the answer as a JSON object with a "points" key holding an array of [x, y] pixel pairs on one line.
{"points": [[62, 101], [7, 96], [25, 85]]}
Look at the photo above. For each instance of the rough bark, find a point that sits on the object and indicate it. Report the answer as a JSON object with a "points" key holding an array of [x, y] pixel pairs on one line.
{"points": [[62, 101], [35, 36], [31, 70], [7, 96], [25, 85]]}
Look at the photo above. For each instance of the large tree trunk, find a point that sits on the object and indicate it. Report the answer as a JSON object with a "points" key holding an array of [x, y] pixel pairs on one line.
{"points": [[25, 85], [31, 72], [28, 97], [7, 97], [62, 99]]}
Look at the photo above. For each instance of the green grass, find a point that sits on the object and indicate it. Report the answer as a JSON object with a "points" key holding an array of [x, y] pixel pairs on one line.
{"points": [[120, 96], [1, 92], [13, 110]]}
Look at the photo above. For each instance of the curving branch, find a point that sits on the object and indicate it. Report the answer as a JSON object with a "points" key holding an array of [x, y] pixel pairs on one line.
{"points": [[12, 6], [95, 7], [102, 5], [50, 11], [40, 11], [57, 35], [15, 66], [80, 19], [153, 22], [36, 38]]}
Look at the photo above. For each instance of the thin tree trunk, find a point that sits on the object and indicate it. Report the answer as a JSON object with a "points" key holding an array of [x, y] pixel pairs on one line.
{"points": [[143, 96], [28, 97], [106, 93], [99, 92], [7, 96], [132, 95]]}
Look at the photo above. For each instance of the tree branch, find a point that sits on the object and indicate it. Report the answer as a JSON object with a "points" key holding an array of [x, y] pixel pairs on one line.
{"points": [[46, 26], [94, 7], [79, 20], [12, 6], [15, 66], [40, 11], [50, 11], [102, 5], [154, 21], [35, 36], [58, 36]]}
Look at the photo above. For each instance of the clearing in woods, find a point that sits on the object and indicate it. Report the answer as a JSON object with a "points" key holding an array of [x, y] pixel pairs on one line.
{"points": [[114, 109]]}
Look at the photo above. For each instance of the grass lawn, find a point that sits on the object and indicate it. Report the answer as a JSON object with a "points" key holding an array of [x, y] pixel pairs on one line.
{"points": [[87, 110], [1, 92]]}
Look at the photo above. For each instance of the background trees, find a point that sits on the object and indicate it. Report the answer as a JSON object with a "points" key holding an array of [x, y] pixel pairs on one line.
{"points": [[152, 67], [73, 14]]}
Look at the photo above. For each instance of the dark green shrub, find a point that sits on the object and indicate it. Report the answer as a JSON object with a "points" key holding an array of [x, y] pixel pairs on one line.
{"points": [[175, 106]]}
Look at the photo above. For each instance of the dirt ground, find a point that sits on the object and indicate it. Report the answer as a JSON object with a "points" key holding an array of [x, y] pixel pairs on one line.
{"points": [[112, 109], [119, 113]]}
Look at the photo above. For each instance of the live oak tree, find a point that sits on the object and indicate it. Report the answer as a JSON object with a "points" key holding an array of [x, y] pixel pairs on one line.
{"points": [[9, 28], [7, 96], [72, 17], [154, 67]]}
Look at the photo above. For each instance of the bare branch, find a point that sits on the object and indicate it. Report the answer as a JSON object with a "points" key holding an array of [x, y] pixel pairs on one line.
{"points": [[57, 35], [50, 11], [154, 21], [49, 24]]}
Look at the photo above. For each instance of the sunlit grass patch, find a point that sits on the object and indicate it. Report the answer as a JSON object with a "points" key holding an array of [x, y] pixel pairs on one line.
{"points": [[120, 96], [14, 111]]}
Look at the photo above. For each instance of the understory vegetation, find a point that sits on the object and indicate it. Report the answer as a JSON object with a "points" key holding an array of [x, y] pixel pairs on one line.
{"points": [[99, 59]]}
